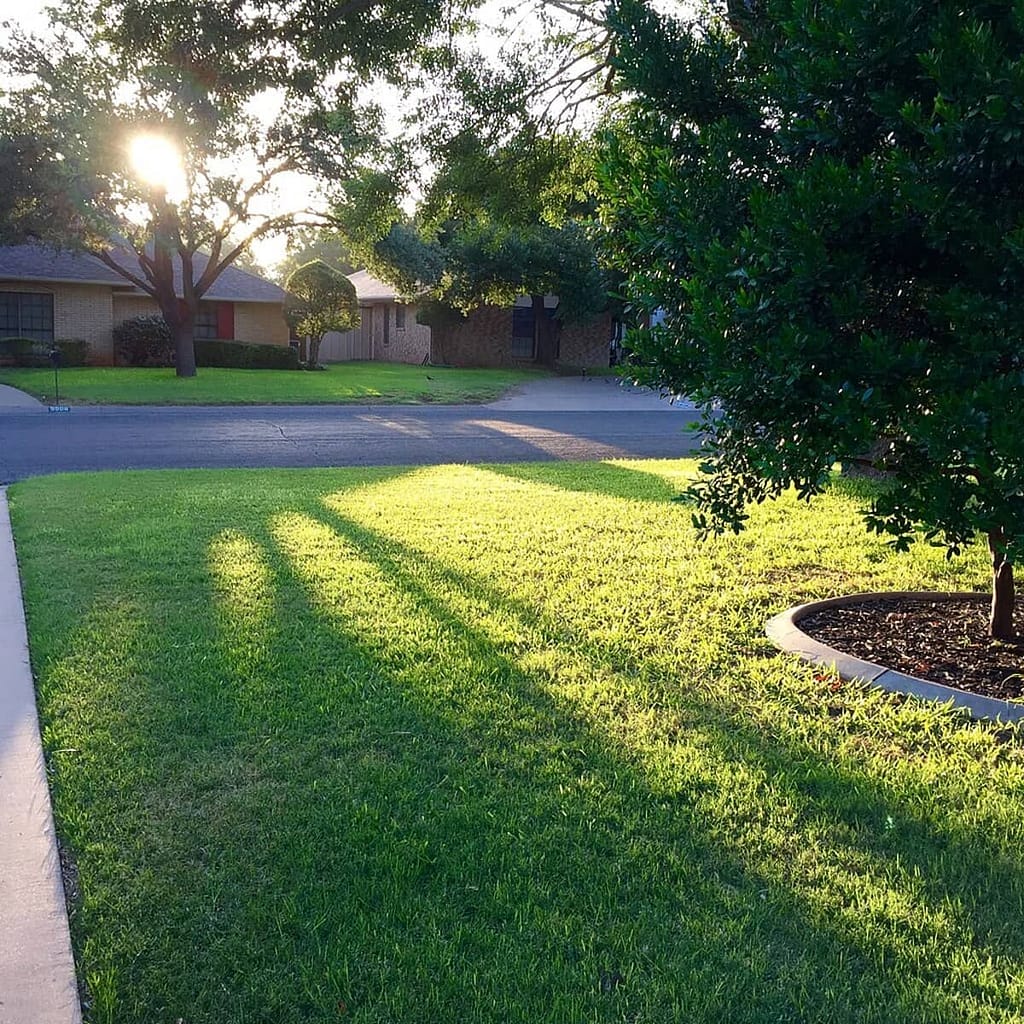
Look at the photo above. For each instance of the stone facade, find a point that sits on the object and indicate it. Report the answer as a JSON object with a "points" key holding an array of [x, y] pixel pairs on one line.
{"points": [[392, 344]]}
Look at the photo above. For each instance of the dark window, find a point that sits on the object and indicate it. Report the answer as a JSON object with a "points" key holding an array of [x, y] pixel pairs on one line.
{"points": [[206, 321], [26, 315], [399, 317], [522, 331]]}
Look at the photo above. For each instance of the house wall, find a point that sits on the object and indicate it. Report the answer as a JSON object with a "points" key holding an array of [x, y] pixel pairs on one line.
{"points": [[79, 311], [586, 343], [410, 345], [484, 338], [260, 323], [126, 307]]}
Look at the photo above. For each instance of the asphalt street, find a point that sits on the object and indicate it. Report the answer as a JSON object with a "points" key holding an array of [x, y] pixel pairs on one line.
{"points": [[34, 441]]}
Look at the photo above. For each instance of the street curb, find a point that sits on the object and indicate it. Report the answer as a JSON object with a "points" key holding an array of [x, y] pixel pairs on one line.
{"points": [[784, 632], [37, 968]]}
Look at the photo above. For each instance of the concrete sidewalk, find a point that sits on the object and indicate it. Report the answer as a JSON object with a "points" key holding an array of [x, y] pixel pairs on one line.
{"points": [[586, 394], [12, 398], [37, 970]]}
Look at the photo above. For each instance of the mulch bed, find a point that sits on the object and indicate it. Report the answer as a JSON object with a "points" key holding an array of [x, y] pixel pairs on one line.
{"points": [[941, 641]]}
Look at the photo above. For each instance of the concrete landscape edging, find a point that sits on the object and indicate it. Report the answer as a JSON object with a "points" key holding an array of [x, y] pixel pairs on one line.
{"points": [[37, 969], [783, 630]]}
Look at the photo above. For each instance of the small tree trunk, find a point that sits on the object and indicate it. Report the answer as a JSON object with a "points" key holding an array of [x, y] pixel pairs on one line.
{"points": [[185, 348], [1000, 623], [313, 352]]}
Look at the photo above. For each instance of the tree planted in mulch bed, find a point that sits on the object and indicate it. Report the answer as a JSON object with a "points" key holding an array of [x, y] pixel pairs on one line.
{"points": [[826, 202]]}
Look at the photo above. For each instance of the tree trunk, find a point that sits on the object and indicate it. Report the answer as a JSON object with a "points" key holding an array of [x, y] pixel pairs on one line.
{"points": [[546, 351], [185, 347], [1000, 623], [313, 351]]}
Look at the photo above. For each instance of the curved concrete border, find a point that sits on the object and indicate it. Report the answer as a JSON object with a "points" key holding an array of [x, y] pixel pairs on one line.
{"points": [[784, 632]]}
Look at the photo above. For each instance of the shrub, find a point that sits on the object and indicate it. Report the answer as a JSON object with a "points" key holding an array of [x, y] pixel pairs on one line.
{"points": [[144, 341], [73, 351], [30, 352], [18, 352], [241, 355]]}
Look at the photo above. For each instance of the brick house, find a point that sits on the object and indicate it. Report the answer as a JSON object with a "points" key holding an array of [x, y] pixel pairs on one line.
{"points": [[489, 336], [499, 336], [48, 295]]}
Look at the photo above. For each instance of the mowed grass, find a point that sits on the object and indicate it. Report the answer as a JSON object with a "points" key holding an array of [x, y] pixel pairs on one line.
{"points": [[351, 383], [500, 744]]}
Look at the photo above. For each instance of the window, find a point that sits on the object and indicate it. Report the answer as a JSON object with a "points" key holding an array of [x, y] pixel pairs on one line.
{"points": [[522, 333], [523, 346], [206, 321], [399, 317], [26, 315]]}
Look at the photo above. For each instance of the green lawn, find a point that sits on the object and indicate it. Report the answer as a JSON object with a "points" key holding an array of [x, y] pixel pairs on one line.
{"points": [[500, 744], [340, 383]]}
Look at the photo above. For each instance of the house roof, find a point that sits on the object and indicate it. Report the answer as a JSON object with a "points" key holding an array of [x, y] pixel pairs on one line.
{"points": [[40, 263], [370, 289]]}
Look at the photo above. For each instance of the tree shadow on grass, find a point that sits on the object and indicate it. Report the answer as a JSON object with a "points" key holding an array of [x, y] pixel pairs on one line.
{"points": [[940, 864], [660, 818], [480, 842], [606, 478]]}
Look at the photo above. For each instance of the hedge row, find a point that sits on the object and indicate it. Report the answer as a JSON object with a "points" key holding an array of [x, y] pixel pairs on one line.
{"points": [[146, 341], [243, 356], [29, 352]]}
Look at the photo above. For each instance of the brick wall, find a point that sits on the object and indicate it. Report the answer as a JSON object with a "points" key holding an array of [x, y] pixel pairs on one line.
{"points": [[484, 338], [79, 311], [586, 343], [261, 323]]}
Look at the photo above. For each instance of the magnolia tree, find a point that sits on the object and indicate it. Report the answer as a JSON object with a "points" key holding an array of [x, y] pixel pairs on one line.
{"points": [[827, 201], [320, 299]]}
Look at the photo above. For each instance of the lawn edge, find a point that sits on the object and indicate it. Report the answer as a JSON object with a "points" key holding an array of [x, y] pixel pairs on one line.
{"points": [[37, 971]]}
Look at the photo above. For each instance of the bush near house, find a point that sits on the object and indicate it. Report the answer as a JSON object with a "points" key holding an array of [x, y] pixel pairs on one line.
{"points": [[241, 355], [144, 341], [30, 352]]}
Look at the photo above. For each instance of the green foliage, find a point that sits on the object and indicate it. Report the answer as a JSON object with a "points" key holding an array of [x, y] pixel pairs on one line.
{"points": [[144, 341], [827, 201], [29, 352], [244, 356], [320, 300], [18, 352], [73, 351]]}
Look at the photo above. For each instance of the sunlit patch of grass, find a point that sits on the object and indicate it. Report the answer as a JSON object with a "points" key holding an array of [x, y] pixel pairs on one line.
{"points": [[501, 744]]}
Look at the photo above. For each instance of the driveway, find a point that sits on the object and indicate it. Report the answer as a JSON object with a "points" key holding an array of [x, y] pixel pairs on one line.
{"points": [[552, 419]]}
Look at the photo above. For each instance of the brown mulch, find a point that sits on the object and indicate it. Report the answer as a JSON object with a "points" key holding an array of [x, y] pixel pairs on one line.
{"points": [[941, 641]]}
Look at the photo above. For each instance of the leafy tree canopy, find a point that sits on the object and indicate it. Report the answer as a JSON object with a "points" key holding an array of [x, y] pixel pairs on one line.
{"points": [[827, 200], [320, 300]]}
